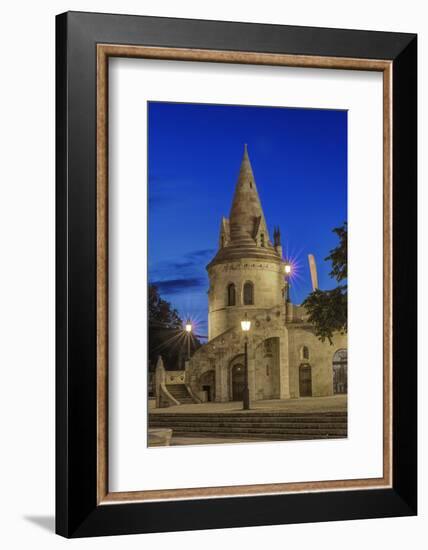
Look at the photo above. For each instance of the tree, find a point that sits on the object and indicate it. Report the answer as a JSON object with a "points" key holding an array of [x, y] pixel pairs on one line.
{"points": [[328, 309], [161, 312], [166, 335], [164, 327]]}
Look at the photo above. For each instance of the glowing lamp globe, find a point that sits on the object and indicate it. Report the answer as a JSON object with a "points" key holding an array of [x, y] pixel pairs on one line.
{"points": [[188, 326], [245, 324]]}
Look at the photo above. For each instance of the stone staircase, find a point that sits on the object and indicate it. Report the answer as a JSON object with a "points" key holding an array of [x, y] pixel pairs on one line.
{"points": [[180, 393], [262, 426]]}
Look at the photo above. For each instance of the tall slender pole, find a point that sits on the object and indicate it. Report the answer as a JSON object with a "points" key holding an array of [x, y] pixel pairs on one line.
{"points": [[188, 346], [287, 269], [246, 393], [286, 297]]}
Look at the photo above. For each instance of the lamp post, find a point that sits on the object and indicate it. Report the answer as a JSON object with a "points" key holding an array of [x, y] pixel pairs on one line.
{"points": [[188, 328], [287, 271], [246, 325]]}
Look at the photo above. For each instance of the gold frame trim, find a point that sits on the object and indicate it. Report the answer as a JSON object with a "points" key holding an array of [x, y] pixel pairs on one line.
{"points": [[104, 51]]}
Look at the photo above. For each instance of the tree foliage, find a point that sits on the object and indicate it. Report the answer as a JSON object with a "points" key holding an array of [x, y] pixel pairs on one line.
{"points": [[328, 309], [161, 312], [166, 335], [339, 255], [164, 326]]}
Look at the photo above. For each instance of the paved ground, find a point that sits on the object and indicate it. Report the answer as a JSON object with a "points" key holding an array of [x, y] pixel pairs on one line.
{"points": [[303, 404], [210, 440]]}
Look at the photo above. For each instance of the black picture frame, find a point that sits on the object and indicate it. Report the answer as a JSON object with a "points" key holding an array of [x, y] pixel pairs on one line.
{"points": [[77, 512]]}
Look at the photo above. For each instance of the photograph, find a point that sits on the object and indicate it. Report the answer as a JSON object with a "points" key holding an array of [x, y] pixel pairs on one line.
{"points": [[213, 275], [247, 274]]}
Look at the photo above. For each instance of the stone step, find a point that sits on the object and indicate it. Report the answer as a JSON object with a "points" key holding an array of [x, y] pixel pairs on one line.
{"points": [[182, 396], [180, 393], [243, 419], [221, 424], [273, 425], [259, 437], [252, 414], [252, 429], [276, 425]]}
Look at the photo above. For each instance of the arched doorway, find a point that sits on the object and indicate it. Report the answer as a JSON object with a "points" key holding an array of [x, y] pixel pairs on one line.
{"points": [[340, 371], [237, 374], [305, 380], [208, 384]]}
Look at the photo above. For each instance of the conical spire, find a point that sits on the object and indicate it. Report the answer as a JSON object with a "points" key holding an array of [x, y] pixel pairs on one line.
{"points": [[246, 212], [245, 233]]}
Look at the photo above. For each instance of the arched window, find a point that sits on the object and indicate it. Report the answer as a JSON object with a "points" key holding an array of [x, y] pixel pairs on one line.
{"points": [[248, 294], [340, 371], [231, 295], [304, 353], [262, 239]]}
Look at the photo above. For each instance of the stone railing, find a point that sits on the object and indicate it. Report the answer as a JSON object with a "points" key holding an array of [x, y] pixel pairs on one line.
{"points": [[193, 394], [163, 397], [175, 377], [164, 378]]}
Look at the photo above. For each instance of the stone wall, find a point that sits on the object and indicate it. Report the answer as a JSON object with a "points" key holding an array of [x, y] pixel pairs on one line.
{"points": [[267, 278], [274, 357], [320, 358], [267, 370]]}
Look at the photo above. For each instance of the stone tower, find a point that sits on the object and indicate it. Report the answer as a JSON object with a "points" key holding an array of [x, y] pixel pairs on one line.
{"points": [[247, 273]]}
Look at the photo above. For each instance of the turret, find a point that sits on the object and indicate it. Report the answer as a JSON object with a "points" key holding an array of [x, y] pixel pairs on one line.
{"points": [[246, 273]]}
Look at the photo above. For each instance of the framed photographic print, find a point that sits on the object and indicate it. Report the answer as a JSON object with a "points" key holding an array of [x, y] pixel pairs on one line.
{"points": [[236, 274]]}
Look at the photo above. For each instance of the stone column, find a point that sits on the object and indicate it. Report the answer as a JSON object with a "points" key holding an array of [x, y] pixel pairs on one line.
{"points": [[159, 379], [284, 367], [221, 390], [186, 371], [290, 312], [252, 369]]}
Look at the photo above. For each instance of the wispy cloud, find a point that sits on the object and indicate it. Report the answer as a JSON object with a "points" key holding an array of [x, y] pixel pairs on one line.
{"points": [[199, 254], [176, 286], [186, 267]]}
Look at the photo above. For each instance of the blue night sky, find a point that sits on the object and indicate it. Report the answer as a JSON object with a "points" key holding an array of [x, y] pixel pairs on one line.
{"points": [[299, 159]]}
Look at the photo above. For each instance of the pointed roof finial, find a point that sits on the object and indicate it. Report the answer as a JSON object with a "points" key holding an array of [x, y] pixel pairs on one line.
{"points": [[159, 363], [246, 211], [277, 236]]}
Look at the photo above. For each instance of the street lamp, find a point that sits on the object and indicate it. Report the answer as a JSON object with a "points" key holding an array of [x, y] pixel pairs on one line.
{"points": [[246, 325], [188, 328], [287, 271]]}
